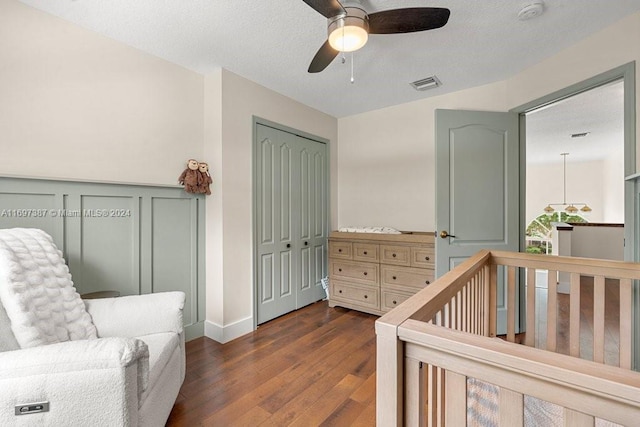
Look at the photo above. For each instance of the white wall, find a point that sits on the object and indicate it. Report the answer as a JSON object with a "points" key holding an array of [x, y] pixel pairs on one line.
{"points": [[401, 193], [584, 184], [613, 183], [229, 222], [598, 242], [75, 104], [600, 184], [386, 160]]}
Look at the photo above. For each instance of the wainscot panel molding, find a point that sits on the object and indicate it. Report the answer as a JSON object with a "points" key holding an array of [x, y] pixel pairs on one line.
{"points": [[134, 239]]}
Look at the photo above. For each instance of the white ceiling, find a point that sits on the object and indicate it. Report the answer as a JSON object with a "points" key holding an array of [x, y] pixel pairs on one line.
{"points": [[599, 111], [272, 42]]}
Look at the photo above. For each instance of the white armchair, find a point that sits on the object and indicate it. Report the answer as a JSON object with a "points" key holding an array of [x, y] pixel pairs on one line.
{"points": [[68, 362]]}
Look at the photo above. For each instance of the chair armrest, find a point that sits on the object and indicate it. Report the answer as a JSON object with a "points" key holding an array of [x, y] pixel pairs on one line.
{"points": [[83, 381], [137, 315]]}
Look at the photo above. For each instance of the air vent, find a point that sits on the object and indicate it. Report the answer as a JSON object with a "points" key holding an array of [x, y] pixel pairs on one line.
{"points": [[426, 84], [579, 135]]}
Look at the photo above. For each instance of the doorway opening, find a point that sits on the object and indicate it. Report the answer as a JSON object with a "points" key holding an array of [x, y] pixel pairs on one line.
{"points": [[575, 175]]}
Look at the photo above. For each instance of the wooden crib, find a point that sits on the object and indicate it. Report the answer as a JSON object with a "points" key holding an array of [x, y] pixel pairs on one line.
{"points": [[439, 359]]}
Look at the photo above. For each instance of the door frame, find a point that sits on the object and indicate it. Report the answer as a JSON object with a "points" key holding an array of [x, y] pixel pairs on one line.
{"points": [[254, 195], [626, 73]]}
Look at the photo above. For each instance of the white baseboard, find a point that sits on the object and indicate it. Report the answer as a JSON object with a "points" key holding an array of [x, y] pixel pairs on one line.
{"points": [[224, 334]]}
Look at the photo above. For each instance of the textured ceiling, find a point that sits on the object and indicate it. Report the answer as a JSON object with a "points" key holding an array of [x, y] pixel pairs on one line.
{"points": [[600, 112], [272, 42]]}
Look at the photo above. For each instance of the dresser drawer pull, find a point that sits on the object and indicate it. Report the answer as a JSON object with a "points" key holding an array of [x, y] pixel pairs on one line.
{"points": [[339, 269], [365, 252], [394, 302], [393, 255], [427, 282], [340, 291], [339, 250], [426, 258], [365, 273], [394, 277], [365, 297]]}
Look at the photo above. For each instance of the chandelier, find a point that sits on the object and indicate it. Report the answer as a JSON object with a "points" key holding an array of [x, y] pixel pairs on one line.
{"points": [[570, 208]]}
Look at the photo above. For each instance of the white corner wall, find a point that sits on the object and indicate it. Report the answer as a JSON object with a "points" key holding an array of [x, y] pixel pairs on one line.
{"points": [[229, 223], [75, 104], [386, 160]]}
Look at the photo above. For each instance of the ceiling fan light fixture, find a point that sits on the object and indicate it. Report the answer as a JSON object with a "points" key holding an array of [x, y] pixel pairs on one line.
{"points": [[349, 32]]}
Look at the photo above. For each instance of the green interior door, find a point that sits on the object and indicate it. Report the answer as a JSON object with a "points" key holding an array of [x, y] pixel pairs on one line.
{"points": [[477, 188]]}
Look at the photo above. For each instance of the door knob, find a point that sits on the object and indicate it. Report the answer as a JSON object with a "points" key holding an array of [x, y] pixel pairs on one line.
{"points": [[288, 245], [444, 234]]}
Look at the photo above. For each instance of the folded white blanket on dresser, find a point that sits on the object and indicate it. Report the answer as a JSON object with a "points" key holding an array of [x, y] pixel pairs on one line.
{"points": [[379, 230]]}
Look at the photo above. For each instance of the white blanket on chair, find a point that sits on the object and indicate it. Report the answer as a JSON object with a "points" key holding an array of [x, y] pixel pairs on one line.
{"points": [[37, 292]]}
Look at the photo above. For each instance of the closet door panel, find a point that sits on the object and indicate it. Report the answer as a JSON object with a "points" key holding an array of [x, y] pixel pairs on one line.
{"points": [[274, 223], [313, 235]]}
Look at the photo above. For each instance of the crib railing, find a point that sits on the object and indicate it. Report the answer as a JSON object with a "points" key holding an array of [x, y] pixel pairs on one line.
{"points": [[435, 342]]}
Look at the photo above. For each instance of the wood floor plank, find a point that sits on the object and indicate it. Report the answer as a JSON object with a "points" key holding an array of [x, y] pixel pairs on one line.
{"points": [[366, 393], [328, 402]]}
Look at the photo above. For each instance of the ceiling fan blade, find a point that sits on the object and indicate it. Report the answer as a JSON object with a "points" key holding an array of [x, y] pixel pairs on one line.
{"points": [[408, 20], [328, 8], [323, 58]]}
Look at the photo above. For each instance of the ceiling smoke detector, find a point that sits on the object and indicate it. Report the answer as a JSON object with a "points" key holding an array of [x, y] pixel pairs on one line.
{"points": [[531, 11], [425, 84]]}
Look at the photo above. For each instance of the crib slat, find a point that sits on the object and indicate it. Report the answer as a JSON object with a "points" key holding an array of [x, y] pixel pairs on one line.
{"points": [[493, 301], [577, 419], [466, 307], [456, 399], [474, 305], [414, 399], [440, 396], [574, 316], [626, 313], [511, 304], [486, 307], [459, 309], [552, 309], [530, 336], [511, 408], [598, 319], [432, 405]]}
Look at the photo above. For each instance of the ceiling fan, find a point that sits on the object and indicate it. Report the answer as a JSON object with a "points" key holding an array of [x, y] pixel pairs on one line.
{"points": [[349, 26]]}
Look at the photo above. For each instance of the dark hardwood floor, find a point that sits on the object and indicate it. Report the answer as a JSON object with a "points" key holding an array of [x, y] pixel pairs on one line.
{"points": [[312, 367], [316, 367]]}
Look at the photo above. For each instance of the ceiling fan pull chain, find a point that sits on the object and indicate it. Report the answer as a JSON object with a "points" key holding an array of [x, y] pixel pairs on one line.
{"points": [[352, 79]]}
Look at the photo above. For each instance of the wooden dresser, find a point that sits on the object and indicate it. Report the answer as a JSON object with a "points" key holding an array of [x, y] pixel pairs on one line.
{"points": [[376, 272]]}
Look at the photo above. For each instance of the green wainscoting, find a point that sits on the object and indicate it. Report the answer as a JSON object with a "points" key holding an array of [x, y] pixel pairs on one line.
{"points": [[134, 239]]}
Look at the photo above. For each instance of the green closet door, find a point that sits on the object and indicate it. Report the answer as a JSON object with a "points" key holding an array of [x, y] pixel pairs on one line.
{"points": [[291, 221]]}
